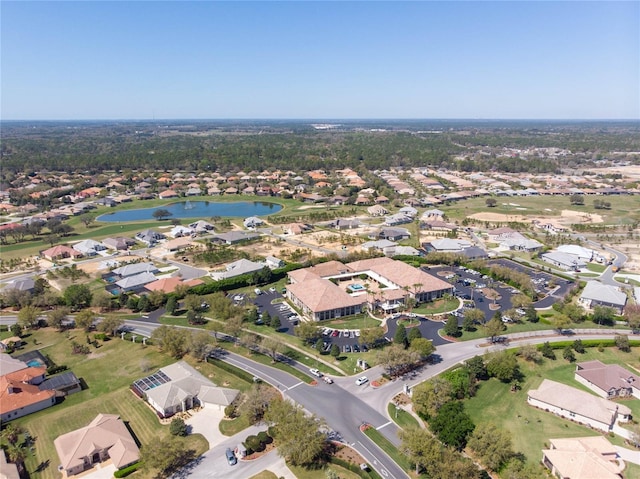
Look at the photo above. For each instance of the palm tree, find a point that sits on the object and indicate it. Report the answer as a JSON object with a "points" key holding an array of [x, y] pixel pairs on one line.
{"points": [[11, 433], [17, 455]]}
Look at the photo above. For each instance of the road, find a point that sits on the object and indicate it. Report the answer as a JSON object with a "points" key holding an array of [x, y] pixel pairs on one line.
{"points": [[345, 406]]}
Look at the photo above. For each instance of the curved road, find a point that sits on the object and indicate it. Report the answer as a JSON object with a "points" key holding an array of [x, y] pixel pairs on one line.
{"points": [[345, 406]]}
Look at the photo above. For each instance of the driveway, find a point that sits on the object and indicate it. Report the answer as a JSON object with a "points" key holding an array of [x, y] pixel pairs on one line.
{"points": [[101, 472], [206, 422]]}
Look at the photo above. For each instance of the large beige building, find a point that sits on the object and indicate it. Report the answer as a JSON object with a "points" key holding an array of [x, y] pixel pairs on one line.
{"points": [[334, 289]]}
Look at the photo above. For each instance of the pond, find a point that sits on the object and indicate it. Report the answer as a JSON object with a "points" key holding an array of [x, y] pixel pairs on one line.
{"points": [[197, 209]]}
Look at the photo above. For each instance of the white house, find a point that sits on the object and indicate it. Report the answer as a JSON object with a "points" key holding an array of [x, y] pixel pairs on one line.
{"points": [[565, 261], [597, 294], [579, 406], [89, 247], [252, 222], [237, 268], [584, 254]]}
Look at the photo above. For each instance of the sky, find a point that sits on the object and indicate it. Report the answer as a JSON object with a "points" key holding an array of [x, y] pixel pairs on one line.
{"points": [[314, 60]]}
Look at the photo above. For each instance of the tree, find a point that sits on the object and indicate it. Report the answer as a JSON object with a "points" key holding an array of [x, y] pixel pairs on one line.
{"points": [[471, 318], [420, 447], [28, 317], [166, 455], [273, 347], [372, 336], [57, 317], [396, 360], [477, 368], [529, 352], [423, 347], [171, 340], [574, 312], [84, 319], [576, 199], [101, 299], [87, 219], [547, 351], [298, 435], [110, 324], [531, 314], [335, 351], [199, 345], [622, 342], [452, 425], [560, 322], [451, 327], [520, 301], [77, 296], [401, 336], [256, 401], [413, 334], [494, 327], [143, 303], [492, 445], [16, 329], [567, 353], [172, 305], [632, 315], [578, 347], [275, 322], [178, 427], [503, 366], [491, 202], [462, 384], [429, 396], [161, 214], [603, 315], [308, 332], [17, 454], [11, 432]]}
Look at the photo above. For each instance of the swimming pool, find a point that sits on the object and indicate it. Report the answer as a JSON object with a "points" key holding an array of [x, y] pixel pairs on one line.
{"points": [[355, 287], [35, 363]]}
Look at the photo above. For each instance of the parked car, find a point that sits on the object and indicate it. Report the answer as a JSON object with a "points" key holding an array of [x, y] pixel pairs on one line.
{"points": [[356, 348], [347, 348], [272, 290], [231, 457], [362, 380], [316, 373], [327, 380], [335, 333]]}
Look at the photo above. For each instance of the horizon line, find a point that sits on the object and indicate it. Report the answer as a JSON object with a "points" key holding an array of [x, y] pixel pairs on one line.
{"points": [[314, 119]]}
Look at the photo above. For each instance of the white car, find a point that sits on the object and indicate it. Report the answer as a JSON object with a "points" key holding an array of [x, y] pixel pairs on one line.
{"points": [[315, 372], [362, 380]]}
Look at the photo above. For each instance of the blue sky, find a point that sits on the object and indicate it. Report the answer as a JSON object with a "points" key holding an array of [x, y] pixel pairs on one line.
{"points": [[483, 59]]}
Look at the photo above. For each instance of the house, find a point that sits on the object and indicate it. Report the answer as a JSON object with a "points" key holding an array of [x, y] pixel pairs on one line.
{"points": [[398, 250], [135, 282], [201, 227], [597, 294], [377, 210], [585, 254], [234, 237], [165, 285], [398, 219], [178, 244], [60, 252], [26, 284], [379, 245], [394, 234], [132, 269], [590, 457], [20, 394], [346, 224], [167, 194], [562, 260], [296, 228], [179, 231], [252, 222], [119, 243], [237, 268], [8, 470], [608, 380], [447, 245], [63, 384], [579, 406], [521, 243], [149, 237], [272, 262], [179, 387], [89, 247], [105, 438]]}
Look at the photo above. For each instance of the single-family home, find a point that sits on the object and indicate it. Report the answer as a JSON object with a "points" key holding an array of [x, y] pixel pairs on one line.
{"points": [[394, 234], [597, 294], [564, 261], [590, 457], [379, 245], [608, 380], [252, 222], [180, 231], [579, 406], [105, 438], [201, 226], [237, 268], [178, 244], [179, 387], [20, 394], [26, 284], [132, 269], [234, 237], [8, 470], [377, 210], [346, 224], [89, 247], [60, 252], [119, 243], [447, 245], [272, 262], [397, 219], [149, 237], [135, 282]]}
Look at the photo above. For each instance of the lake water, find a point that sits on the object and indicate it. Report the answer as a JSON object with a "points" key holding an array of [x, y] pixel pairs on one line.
{"points": [[197, 209]]}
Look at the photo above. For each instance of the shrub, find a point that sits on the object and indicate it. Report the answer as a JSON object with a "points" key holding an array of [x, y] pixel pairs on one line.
{"points": [[230, 410], [264, 438], [178, 427], [127, 470]]}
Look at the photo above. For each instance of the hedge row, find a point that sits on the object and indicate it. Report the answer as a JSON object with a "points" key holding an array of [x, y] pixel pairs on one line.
{"points": [[127, 470], [591, 343], [231, 369], [370, 474]]}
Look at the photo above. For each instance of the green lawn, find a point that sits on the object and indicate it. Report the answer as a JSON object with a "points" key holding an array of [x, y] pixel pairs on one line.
{"points": [[321, 472], [264, 475], [391, 450], [438, 306], [596, 268], [401, 417], [531, 428], [358, 321]]}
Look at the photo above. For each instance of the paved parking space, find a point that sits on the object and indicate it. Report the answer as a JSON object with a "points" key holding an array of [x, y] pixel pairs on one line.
{"points": [[205, 422]]}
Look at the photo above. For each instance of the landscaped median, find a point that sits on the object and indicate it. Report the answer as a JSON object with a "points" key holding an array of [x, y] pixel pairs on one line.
{"points": [[384, 444]]}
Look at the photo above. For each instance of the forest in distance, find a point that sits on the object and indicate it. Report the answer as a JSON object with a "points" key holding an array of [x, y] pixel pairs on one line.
{"points": [[217, 145]]}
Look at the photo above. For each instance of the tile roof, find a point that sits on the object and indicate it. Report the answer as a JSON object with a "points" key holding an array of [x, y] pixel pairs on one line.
{"points": [[106, 431], [607, 376], [584, 458]]}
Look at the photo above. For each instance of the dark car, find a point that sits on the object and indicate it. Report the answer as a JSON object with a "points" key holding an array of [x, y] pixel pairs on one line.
{"points": [[356, 348]]}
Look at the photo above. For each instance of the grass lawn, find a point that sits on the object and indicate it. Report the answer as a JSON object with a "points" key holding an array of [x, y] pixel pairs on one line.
{"points": [[264, 475], [596, 268], [438, 306], [321, 472], [391, 450], [229, 427], [401, 417], [531, 428], [359, 321], [108, 372]]}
